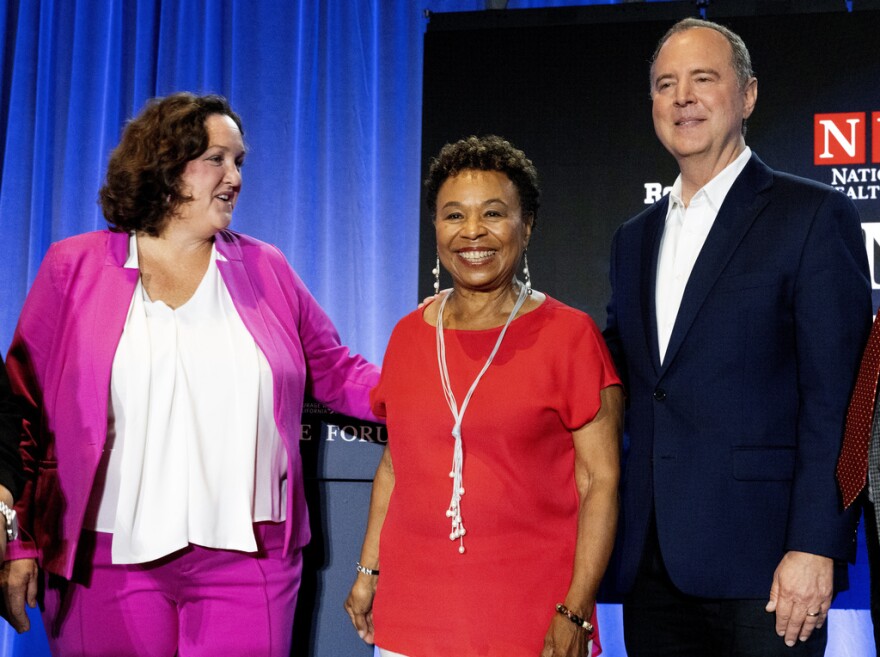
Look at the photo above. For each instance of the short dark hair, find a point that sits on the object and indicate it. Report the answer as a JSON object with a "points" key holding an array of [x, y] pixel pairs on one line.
{"points": [[489, 153], [142, 187]]}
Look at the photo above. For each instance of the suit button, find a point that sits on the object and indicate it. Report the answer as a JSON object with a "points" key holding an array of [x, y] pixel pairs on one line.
{"points": [[659, 394]]}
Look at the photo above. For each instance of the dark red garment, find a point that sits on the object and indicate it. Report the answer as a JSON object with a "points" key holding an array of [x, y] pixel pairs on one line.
{"points": [[852, 466], [520, 504]]}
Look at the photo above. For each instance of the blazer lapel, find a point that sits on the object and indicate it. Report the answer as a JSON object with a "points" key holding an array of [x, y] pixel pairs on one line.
{"points": [[741, 207], [650, 253], [115, 287], [235, 275]]}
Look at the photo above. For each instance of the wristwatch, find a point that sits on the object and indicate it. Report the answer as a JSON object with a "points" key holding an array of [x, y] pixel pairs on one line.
{"points": [[11, 521]]}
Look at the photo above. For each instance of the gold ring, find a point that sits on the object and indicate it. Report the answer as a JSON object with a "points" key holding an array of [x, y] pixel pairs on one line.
{"points": [[814, 614]]}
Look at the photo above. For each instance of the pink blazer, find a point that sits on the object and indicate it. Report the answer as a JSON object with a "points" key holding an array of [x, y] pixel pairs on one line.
{"points": [[62, 353]]}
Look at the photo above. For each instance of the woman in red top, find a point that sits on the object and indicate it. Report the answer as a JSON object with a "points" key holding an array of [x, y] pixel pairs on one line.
{"points": [[495, 502]]}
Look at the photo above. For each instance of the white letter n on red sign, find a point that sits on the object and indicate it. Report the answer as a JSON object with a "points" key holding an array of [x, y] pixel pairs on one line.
{"points": [[839, 138], [875, 137]]}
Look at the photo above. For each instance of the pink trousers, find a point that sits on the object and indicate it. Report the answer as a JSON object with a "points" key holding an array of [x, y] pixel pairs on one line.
{"points": [[194, 603]]}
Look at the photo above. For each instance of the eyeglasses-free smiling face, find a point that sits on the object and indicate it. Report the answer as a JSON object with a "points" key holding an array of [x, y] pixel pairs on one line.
{"points": [[480, 228], [213, 179], [698, 103]]}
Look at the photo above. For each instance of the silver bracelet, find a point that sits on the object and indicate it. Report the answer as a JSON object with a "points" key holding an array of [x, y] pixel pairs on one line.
{"points": [[11, 521], [365, 570]]}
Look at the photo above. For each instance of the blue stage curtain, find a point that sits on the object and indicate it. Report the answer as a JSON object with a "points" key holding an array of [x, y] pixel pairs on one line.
{"points": [[329, 93]]}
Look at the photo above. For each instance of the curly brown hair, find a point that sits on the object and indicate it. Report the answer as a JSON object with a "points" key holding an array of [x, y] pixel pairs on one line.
{"points": [[143, 186], [489, 153]]}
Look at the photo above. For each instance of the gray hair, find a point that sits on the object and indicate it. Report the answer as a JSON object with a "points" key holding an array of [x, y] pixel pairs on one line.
{"points": [[741, 60]]}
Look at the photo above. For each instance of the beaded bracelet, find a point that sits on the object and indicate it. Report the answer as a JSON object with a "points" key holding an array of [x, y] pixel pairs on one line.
{"points": [[365, 570], [574, 618]]}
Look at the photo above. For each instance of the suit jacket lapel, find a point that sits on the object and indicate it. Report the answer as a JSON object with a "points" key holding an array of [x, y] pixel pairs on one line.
{"points": [[241, 288], [115, 287], [650, 253], [235, 276], [741, 207]]}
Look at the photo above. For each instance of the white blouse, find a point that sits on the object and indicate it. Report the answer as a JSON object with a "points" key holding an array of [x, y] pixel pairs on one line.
{"points": [[192, 453]]}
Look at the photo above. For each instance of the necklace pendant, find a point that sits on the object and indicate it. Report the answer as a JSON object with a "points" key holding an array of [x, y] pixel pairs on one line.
{"points": [[453, 512]]}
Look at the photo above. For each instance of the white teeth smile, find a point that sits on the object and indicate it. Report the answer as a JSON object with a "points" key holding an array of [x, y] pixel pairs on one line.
{"points": [[476, 255], [223, 197]]}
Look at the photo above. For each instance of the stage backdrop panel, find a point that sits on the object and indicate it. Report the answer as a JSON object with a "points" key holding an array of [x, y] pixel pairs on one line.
{"points": [[575, 97], [571, 88], [340, 455]]}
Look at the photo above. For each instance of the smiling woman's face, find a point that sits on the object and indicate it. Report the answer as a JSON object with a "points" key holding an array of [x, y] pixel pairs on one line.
{"points": [[480, 228], [213, 179]]}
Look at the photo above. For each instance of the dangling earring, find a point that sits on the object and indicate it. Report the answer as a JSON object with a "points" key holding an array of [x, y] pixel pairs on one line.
{"points": [[526, 273], [436, 272]]}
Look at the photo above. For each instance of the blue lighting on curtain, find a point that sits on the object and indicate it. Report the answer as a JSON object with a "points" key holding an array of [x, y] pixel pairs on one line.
{"points": [[329, 94]]}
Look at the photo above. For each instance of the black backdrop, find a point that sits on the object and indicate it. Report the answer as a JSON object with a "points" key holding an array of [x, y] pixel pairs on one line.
{"points": [[570, 87]]}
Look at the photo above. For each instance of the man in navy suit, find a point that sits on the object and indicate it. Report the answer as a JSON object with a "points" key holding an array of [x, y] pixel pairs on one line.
{"points": [[739, 305]]}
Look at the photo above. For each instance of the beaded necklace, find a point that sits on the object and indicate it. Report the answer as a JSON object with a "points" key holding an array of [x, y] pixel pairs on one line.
{"points": [[454, 510]]}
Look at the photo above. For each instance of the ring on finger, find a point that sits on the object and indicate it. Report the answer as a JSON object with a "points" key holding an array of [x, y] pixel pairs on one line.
{"points": [[813, 614]]}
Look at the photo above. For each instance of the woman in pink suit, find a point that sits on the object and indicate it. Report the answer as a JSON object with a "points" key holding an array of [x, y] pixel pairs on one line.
{"points": [[164, 362]]}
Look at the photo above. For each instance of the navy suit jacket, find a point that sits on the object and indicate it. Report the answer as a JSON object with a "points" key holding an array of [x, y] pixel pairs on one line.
{"points": [[734, 438]]}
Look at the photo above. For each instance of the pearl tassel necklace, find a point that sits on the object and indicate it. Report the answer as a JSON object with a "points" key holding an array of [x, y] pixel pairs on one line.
{"points": [[454, 510]]}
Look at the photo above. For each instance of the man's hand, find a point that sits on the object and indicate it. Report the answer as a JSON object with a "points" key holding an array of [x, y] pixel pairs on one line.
{"points": [[18, 582], [801, 594], [6, 497]]}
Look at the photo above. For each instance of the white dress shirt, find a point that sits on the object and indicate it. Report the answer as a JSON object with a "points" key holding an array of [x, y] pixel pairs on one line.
{"points": [[192, 453], [684, 234]]}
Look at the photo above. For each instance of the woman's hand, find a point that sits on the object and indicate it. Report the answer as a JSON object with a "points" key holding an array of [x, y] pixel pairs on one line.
{"points": [[359, 606], [18, 582], [442, 293], [359, 603], [565, 639], [597, 475]]}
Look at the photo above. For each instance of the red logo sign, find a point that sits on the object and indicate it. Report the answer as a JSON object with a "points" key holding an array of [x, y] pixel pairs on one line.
{"points": [[841, 138], [875, 137]]}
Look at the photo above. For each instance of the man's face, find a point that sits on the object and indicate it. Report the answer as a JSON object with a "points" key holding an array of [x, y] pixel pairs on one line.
{"points": [[699, 105]]}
